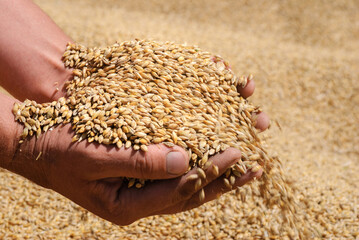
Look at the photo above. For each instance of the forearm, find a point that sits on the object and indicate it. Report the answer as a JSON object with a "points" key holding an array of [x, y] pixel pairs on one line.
{"points": [[31, 49], [9, 131]]}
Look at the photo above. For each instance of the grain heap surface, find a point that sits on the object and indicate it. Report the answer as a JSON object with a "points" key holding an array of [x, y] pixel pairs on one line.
{"points": [[304, 55]]}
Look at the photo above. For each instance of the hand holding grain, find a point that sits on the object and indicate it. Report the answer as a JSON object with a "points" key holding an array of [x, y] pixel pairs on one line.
{"points": [[92, 174]]}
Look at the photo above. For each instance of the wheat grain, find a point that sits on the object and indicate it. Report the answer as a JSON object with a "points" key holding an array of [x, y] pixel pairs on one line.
{"points": [[142, 92]]}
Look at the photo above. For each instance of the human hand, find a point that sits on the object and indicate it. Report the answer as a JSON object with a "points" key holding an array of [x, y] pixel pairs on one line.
{"points": [[91, 174]]}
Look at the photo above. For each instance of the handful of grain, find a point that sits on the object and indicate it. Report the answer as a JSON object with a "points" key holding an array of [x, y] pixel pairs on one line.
{"points": [[137, 93]]}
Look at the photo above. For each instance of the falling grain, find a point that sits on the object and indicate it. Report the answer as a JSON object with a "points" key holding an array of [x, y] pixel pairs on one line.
{"points": [[181, 96]]}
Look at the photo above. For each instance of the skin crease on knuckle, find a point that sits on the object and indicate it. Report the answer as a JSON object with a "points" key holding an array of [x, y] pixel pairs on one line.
{"points": [[143, 163]]}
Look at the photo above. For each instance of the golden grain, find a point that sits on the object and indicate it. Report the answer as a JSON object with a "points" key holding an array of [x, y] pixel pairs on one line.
{"points": [[159, 93], [201, 173], [192, 177], [201, 195]]}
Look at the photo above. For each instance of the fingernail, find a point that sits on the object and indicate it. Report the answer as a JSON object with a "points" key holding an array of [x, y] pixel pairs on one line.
{"points": [[176, 163]]}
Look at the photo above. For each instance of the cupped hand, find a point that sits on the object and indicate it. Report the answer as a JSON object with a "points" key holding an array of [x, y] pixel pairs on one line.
{"points": [[92, 175], [89, 174]]}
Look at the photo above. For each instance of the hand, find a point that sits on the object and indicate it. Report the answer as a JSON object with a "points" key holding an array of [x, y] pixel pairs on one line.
{"points": [[92, 174], [89, 174]]}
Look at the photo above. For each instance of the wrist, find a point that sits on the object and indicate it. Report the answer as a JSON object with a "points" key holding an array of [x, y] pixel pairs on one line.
{"points": [[10, 131], [24, 159]]}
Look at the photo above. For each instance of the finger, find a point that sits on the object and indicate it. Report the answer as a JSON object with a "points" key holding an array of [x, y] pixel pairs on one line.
{"points": [[155, 196], [193, 181], [158, 162], [198, 178], [93, 161], [261, 121], [248, 90], [218, 187], [212, 191]]}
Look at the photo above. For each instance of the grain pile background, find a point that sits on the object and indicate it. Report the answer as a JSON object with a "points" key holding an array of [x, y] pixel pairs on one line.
{"points": [[305, 58]]}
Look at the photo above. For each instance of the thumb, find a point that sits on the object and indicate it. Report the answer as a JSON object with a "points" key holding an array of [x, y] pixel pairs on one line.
{"points": [[159, 162]]}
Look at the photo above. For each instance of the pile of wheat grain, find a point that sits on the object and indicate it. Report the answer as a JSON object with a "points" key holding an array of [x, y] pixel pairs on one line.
{"points": [[135, 93], [304, 57]]}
